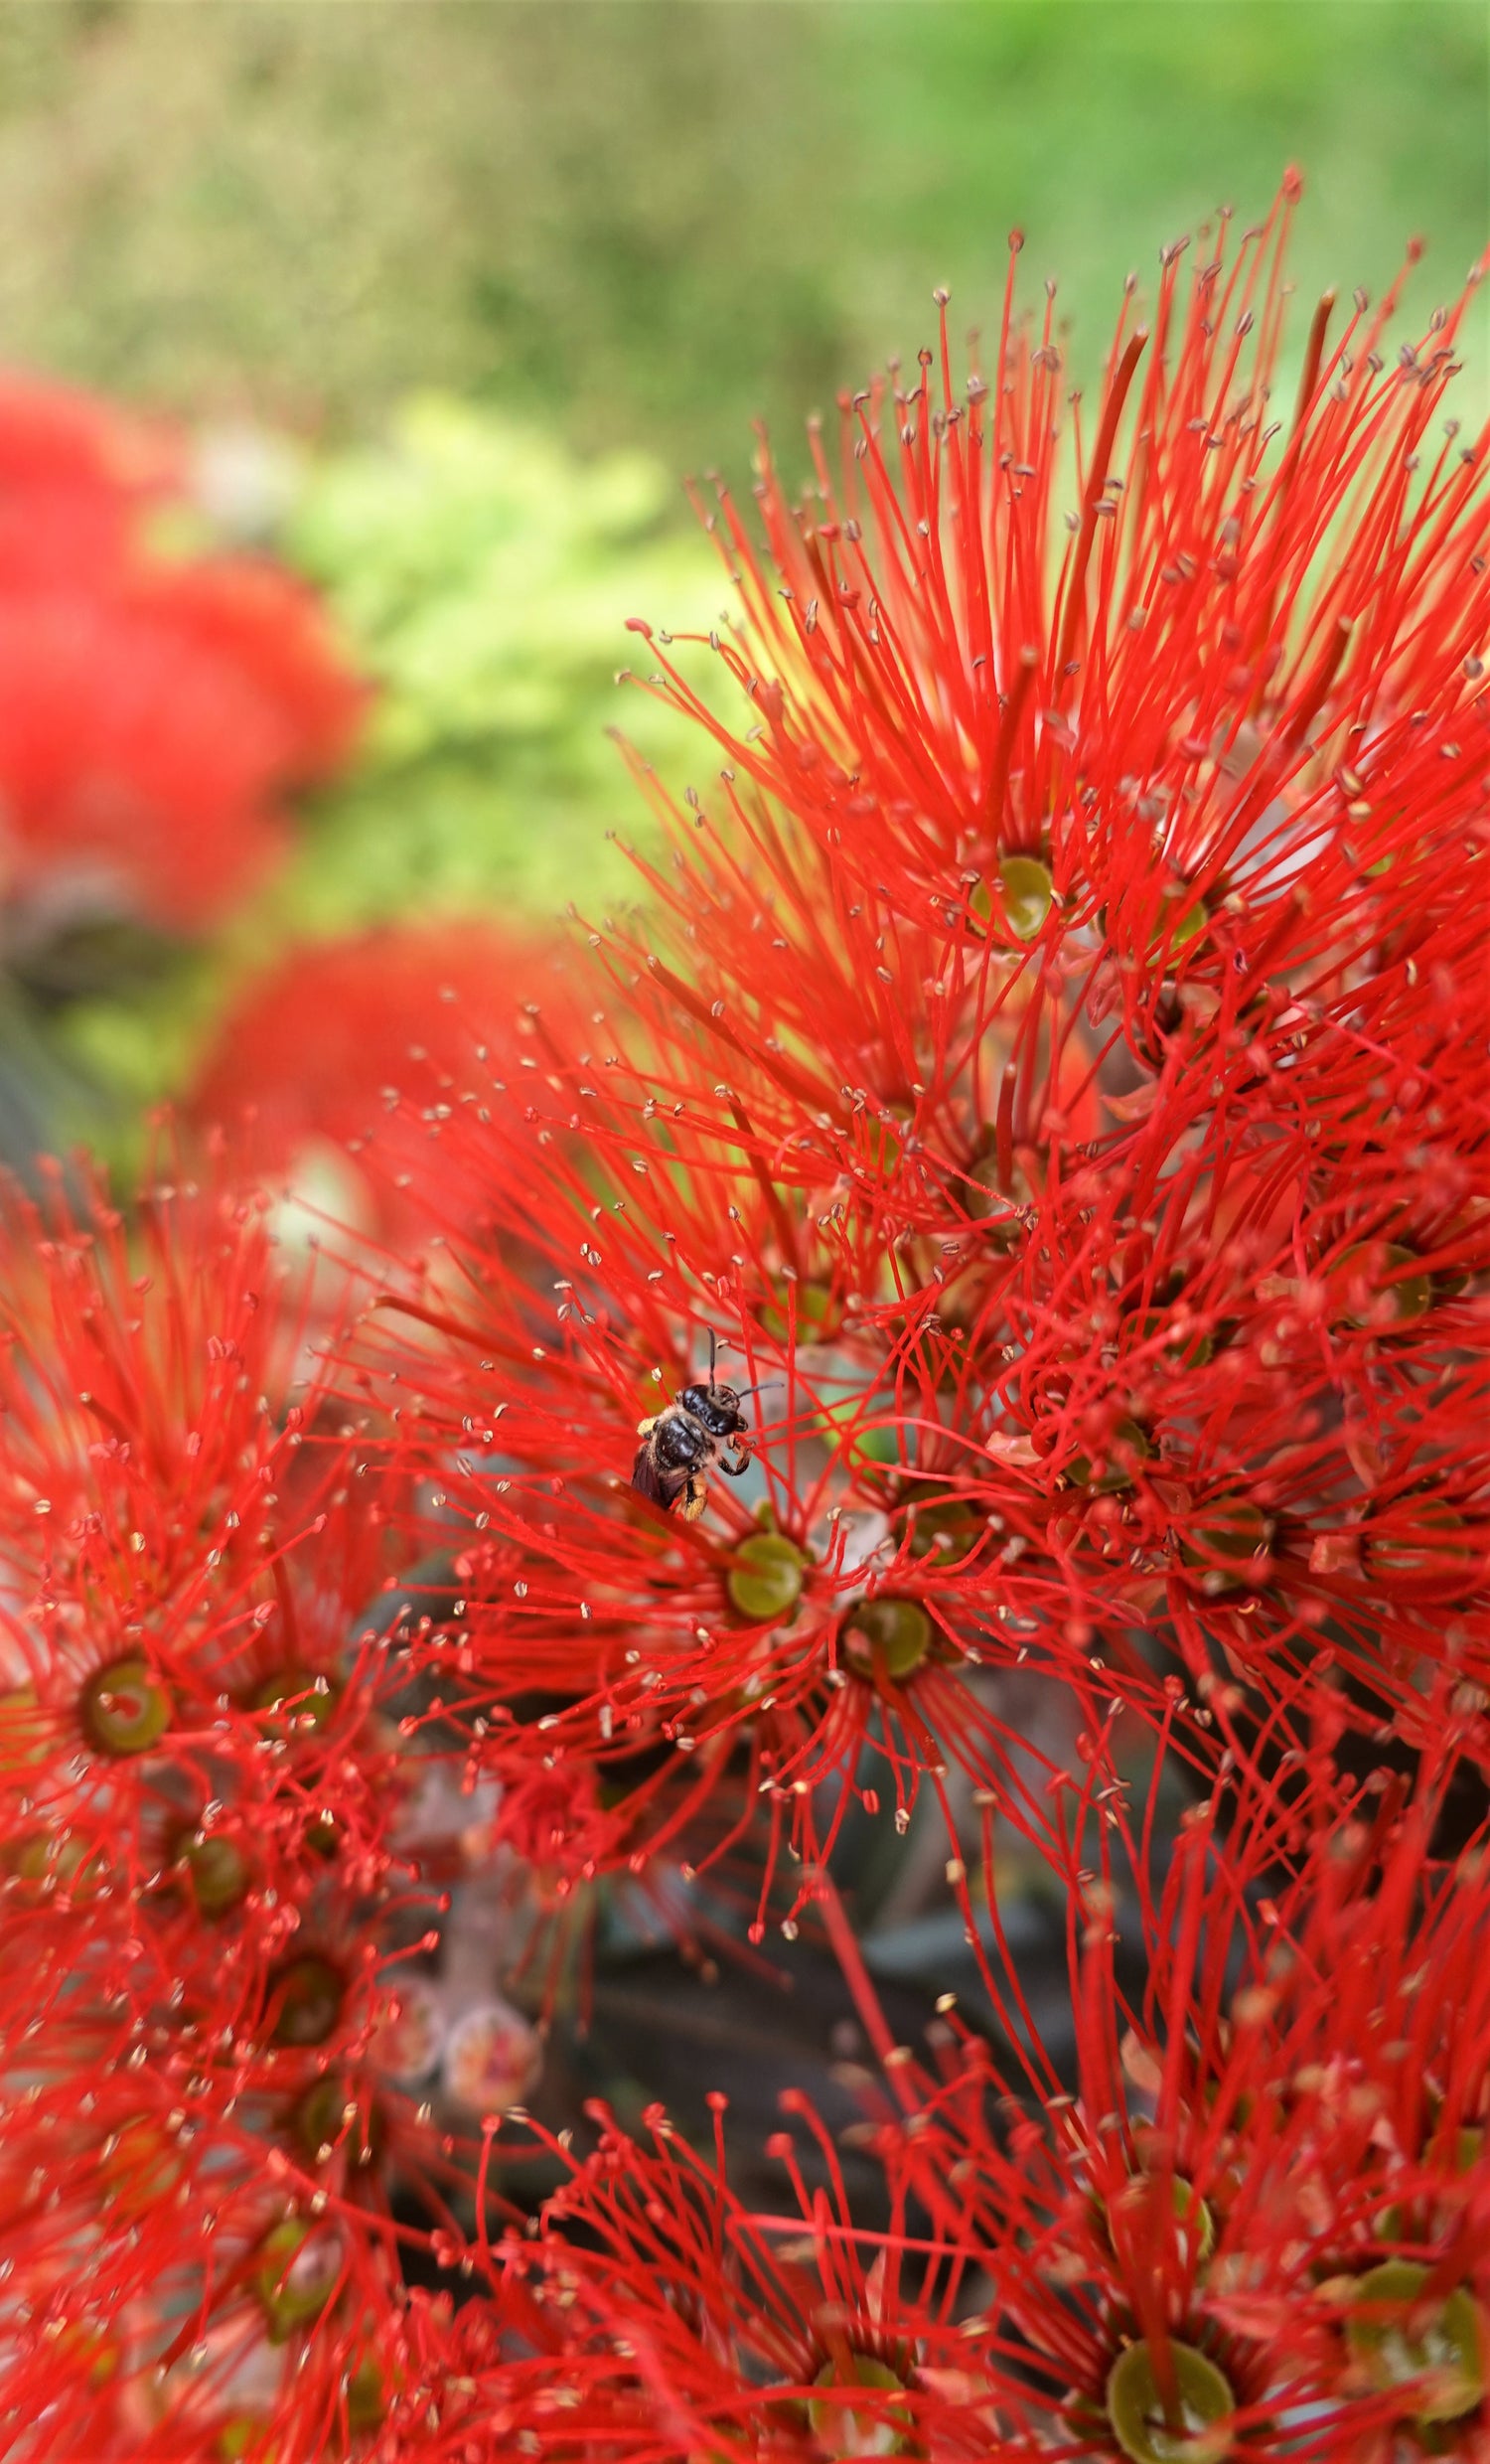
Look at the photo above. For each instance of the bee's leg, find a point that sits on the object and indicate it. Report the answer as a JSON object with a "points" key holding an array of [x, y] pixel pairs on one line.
{"points": [[735, 1470], [645, 1427], [694, 1497]]}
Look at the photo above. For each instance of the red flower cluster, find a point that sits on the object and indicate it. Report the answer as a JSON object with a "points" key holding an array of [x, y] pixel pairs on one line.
{"points": [[1054, 1073], [981, 1298], [202, 1904], [1257, 2227], [153, 713]]}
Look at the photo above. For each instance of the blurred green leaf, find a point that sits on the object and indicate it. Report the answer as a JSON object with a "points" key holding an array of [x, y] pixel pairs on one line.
{"points": [[484, 575]]}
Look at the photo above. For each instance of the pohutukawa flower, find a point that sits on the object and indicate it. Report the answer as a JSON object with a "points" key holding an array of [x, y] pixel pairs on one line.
{"points": [[199, 2240], [621, 1670], [734, 2333], [190, 1712], [1259, 2220], [1057, 1032]]}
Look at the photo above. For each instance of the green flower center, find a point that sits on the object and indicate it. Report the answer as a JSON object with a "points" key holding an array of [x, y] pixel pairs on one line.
{"points": [[1197, 2227], [887, 1637], [1027, 893], [1189, 2431], [308, 1699], [124, 1708], [306, 1996], [327, 2117], [1127, 1449], [296, 2275], [1376, 1286], [766, 1577], [217, 1871], [1429, 1543], [139, 2166], [845, 2431], [948, 1530], [1182, 918], [1398, 2338], [814, 1312], [1223, 1539]]}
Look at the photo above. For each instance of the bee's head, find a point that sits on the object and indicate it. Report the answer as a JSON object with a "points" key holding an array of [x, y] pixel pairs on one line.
{"points": [[717, 1407]]}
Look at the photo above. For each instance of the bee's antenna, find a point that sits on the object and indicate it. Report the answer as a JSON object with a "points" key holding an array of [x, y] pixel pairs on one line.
{"points": [[713, 1355]]}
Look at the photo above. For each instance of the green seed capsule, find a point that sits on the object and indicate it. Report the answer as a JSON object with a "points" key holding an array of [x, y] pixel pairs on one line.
{"points": [[766, 1577], [1028, 891], [54, 1861], [217, 1871], [80, 2347], [239, 2436], [887, 1637], [1135, 2407], [844, 2432], [1223, 1540], [307, 1996], [949, 1531], [882, 1149], [320, 2122], [1197, 2227], [1377, 1289], [1127, 1448], [1189, 921], [124, 1708], [1397, 2338], [139, 2168], [1190, 1349], [22, 1728], [296, 2276], [310, 1699], [813, 1314], [366, 2396], [1424, 1542]]}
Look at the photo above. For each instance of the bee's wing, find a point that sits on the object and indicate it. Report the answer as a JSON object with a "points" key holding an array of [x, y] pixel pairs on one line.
{"points": [[648, 1480]]}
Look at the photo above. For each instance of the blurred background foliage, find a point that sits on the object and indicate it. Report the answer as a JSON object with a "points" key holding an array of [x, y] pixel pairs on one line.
{"points": [[486, 576], [649, 221], [452, 292]]}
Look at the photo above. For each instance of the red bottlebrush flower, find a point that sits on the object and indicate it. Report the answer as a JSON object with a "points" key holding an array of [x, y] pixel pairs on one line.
{"points": [[187, 2273], [1262, 2215], [1156, 709], [137, 769], [1045, 1075], [314, 1053], [623, 1672], [144, 757], [216, 1861], [695, 2326], [191, 1720], [1047, 1062]]}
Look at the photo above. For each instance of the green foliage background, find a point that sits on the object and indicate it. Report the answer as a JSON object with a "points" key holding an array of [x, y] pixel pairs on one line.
{"points": [[506, 268], [647, 221]]}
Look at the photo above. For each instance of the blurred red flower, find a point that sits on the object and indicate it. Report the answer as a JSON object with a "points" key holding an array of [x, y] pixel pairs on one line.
{"points": [[342, 1043], [155, 712]]}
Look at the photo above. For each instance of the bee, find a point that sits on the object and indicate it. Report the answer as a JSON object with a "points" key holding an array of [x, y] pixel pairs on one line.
{"points": [[699, 1428]]}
